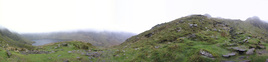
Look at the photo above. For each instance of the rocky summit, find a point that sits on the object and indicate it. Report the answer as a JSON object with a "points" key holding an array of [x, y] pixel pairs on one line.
{"points": [[194, 38]]}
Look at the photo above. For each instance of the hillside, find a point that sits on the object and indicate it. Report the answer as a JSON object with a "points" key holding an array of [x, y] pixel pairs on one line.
{"points": [[255, 21], [53, 52], [104, 38], [195, 38], [198, 38], [8, 38]]}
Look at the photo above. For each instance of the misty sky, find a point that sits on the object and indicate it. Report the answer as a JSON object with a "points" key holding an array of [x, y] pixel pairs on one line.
{"points": [[26, 16]]}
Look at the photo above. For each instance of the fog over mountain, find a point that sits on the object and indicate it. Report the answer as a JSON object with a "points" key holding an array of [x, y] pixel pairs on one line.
{"points": [[97, 38]]}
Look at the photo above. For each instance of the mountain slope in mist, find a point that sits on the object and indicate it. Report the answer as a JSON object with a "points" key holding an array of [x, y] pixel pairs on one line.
{"points": [[104, 38], [8, 38], [258, 23]]}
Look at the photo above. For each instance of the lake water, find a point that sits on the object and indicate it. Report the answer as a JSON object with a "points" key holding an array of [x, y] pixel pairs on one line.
{"points": [[44, 41]]}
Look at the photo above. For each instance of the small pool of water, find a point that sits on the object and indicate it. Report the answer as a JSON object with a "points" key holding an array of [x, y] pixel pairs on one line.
{"points": [[44, 41]]}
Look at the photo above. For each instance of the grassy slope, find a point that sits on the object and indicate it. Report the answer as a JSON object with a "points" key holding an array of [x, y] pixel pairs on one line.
{"points": [[178, 46], [60, 55], [8, 38]]}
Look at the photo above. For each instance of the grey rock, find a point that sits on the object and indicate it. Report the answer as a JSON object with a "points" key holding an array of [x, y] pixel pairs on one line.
{"points": [[250, 51], [226, 56], [181, 21], [239, 49], [245, 40], [94, 54], [58, 45], [88, 54], [191, 25], [205, 53], [156, 46], [266, 60], [82, 53], [59, 55], [8, 54], [248, 37], [214, 29], [231, 54], [233, 44], [195, 25], [242, 57], [192, 36], [261, 47], [52, 52]]}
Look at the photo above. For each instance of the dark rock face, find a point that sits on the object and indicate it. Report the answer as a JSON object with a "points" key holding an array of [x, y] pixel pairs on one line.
{"points": [[148, 35], [64, 44]]}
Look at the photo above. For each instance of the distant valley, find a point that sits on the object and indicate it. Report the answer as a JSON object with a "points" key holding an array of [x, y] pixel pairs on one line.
{"points": [[104, 38]]}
